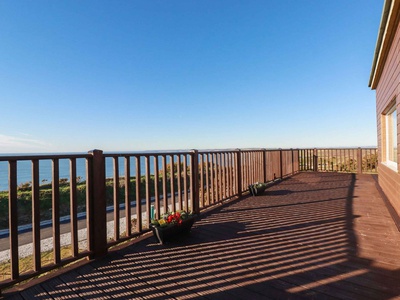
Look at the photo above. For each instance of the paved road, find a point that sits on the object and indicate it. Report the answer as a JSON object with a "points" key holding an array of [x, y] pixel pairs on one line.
{"points": [[47, 232]]}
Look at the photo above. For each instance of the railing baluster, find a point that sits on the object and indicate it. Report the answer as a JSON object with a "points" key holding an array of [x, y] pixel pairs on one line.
{"points": [[128, 214], [359, 161], [212, 199], [229, 174], [238, 172], [73, 208], [148, 196], [138, 196], [208, 175], [156, 189], [164, 182], [13, 218], [220, 183], [55, 187], [116, 197], [194, 182], [172, 182], [36, 216], [201, 174], [185, 182], [223, 175], [178, 179]]}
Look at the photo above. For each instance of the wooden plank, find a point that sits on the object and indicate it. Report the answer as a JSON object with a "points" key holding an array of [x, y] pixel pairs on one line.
{"points": [[172, 182], [13, 218], [83, 287], [35, 292], [73, 208], [148, 195], [138, 196], [36, 216], [57, 289], [55, 199], [208, 180], [128, 212], [179, 181], [201, 174], [212, 178], [164, 183], [185, 182], [156, 188], [116, 197]]}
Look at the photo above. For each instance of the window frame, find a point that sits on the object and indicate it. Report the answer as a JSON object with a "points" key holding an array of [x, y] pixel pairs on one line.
{"points": [[390, 137]]}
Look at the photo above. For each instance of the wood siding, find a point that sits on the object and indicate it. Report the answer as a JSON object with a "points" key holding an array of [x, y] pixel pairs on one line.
{"points": [[389, 181], [388, 90]]}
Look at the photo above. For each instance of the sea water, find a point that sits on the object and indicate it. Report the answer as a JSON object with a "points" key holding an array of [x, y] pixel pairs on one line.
{"points": [[24, 170]]}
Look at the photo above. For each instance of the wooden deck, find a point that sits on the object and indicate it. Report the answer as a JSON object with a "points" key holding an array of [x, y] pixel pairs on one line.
{"points": [[312, 236]]}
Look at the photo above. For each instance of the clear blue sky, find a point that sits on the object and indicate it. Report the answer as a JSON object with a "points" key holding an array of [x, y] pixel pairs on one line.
{"points": [[152, 75]]}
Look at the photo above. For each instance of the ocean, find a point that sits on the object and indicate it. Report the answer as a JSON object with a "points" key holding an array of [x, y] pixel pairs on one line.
{"points": [[24, 170]]}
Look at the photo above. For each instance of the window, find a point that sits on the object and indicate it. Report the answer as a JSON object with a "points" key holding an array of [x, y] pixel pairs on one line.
{"points": [[390, 119]]}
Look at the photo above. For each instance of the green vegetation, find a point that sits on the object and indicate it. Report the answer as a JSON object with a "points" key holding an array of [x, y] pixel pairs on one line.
{"points": [[26, 263], [342, 163], [24, 196]]}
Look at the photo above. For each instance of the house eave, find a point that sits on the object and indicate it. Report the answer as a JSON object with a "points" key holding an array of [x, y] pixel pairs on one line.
{"points": [[389, 20]]}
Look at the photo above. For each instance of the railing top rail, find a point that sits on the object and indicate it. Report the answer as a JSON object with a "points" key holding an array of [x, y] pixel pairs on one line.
{"points": [[147, 153], [338, 148], [42, 156], [244, 150]]}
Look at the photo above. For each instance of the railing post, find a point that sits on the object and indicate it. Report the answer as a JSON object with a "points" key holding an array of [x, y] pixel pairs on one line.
{"points": [[359, 160], [239, 171], [280, 163], [265, 164], [96, 219], [315, 160], [292, 154], [194, 181], [13, 219]]}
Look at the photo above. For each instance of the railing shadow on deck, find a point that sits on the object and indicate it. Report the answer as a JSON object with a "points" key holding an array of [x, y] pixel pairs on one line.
{"points": [[287, 246]]}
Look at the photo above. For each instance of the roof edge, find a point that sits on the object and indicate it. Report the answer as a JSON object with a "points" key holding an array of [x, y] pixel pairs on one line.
{"points": [[378, 47]]}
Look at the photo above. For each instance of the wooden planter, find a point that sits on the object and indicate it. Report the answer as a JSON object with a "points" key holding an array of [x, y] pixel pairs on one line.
{"points": [[169, 233], [257, 189]]}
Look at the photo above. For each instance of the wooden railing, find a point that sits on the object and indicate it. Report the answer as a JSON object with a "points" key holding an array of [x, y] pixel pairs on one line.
{"points": [[111, 197], [350, 160]]}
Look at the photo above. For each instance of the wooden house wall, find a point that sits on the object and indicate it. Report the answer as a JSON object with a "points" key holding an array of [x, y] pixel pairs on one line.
{"points": [[388, 89]]}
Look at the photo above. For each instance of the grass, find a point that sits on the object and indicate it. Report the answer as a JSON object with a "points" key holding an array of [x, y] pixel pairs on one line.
{"points": [[24, 197], [26, 263]]}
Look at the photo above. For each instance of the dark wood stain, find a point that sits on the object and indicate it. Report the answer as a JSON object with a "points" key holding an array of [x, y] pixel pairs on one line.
{"points": [[327, 236]]}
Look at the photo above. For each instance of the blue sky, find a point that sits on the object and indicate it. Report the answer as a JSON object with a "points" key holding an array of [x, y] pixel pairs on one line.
{"points": [[158, 75]]}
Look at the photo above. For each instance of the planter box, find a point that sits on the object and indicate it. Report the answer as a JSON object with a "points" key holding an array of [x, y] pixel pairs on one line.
{"points": [[257, 189], [169, 233]]}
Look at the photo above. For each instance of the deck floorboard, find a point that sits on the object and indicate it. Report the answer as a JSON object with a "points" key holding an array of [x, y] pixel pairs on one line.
{"points": [[312, 236]]}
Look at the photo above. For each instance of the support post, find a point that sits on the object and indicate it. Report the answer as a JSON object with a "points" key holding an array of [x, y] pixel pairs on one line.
{"points": [[359, 160], [280, 163], [315, 160], [291, 152], [265, 164], [96, 214], [239, 172], [194, 181]]}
